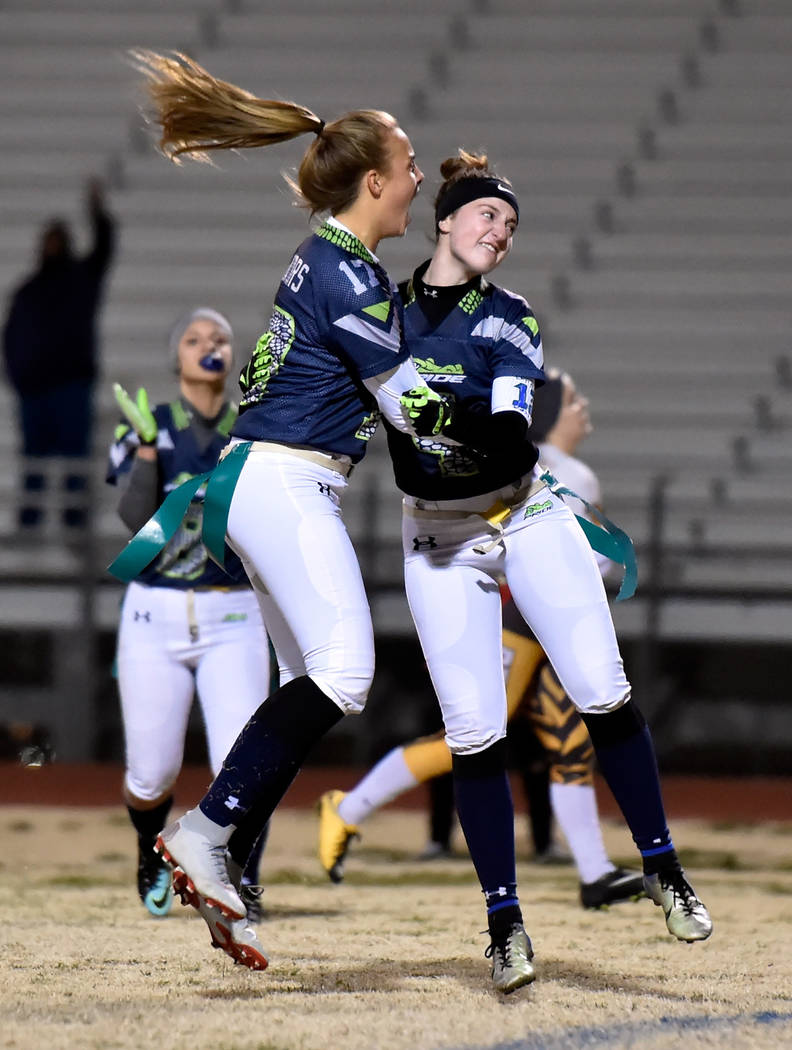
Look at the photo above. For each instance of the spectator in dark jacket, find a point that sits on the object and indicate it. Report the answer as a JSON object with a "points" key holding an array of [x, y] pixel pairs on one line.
{"points": [[50, 350]]}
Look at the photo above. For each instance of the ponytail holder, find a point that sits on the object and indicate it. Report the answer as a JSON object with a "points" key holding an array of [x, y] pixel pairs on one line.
{"points": [[318, 131]]}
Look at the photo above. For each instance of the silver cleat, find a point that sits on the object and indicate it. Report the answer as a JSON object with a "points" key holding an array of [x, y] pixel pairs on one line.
{"points": [[685, 915], [512, 965]]}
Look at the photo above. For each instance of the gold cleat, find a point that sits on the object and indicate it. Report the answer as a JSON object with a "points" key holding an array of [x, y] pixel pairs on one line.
{"points": [[334, 835]]}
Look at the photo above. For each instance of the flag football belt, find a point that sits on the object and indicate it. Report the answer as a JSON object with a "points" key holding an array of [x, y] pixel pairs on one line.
{"points": [[160, 529], [340, 464], [494, 515], [606, 538], [220, 483]]}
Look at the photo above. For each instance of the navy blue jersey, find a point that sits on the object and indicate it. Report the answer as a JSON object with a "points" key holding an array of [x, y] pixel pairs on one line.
{"points": [[490, 333], [336, 321], [184, 563]]}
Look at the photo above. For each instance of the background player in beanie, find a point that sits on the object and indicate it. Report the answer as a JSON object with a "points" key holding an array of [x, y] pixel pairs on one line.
{"points": [[560, 423], [478, 511], [185, 624], [332, 356]]}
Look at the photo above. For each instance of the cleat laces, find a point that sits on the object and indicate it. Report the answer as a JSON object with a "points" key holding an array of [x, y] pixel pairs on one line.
{"points": [[504, 950], [682, 893]]}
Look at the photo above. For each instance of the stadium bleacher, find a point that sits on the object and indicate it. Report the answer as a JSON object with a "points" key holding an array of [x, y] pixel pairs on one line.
{"points": [[648, 141]]}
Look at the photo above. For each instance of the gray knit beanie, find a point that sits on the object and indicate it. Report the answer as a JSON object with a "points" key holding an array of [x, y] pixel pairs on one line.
{"points": [[184, 322]]}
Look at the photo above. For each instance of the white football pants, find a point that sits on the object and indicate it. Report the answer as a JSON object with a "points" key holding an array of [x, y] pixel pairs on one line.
{"points": [[285, 523], [172, 643], [455, 602]]}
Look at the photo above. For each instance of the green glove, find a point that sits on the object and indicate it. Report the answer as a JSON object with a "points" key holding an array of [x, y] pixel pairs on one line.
{"points": [[138, 413], [429, 413]]}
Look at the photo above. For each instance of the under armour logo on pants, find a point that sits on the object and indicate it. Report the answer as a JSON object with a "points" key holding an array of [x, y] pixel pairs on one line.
{"points": [[424, 543]]}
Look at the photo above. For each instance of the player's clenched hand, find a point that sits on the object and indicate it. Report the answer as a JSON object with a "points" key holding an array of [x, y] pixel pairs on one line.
{"points": [[428, 412], [137, 413]]}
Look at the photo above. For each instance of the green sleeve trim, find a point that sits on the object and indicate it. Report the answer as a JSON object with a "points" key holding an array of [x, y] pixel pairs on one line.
{"points": [[228, 420], [180, 418]]}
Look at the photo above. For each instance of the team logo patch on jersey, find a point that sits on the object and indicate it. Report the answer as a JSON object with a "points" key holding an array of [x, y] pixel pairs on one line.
{"points": [[234, 617], [537, 508], [434, 373], [367, 429], [270, 352], [453, 460]]}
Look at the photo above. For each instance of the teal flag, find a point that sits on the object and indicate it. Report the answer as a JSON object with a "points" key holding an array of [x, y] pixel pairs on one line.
{"points": [[608, 539], [160, 529], [217, 501]]}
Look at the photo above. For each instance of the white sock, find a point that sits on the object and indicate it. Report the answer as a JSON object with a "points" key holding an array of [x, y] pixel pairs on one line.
{"points": [[388, 779], [575, 809]]}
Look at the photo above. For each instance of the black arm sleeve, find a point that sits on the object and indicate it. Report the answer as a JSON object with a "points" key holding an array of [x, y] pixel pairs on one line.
{"points": [[490, 434], [139, 493]]}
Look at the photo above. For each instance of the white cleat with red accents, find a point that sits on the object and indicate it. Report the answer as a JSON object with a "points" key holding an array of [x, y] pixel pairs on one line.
{"points": [[234, 936], [185, 845]]}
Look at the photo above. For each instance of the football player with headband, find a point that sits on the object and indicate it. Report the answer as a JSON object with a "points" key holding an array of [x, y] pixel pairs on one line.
{"points": [[332, 358], [186, 625], [480, 510], [536, 702]]}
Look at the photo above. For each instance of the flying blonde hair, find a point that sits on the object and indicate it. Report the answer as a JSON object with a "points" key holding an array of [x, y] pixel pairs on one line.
{"points": [[198, 114]]}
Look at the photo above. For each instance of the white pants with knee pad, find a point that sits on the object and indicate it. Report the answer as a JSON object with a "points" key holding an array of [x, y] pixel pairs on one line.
{"points": [[171, 644], [452, 589], [285, 523]]}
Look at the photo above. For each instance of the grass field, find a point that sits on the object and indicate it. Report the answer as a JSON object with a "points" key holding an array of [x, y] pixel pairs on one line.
{"points": [[393, 958]]}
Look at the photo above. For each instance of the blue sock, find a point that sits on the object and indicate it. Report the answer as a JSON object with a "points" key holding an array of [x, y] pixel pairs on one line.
{"points": [[626, 757], [486, 814], [268, 753]]}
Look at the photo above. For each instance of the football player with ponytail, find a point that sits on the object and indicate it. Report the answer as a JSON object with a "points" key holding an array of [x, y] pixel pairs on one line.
{"points": [[331, 360]]}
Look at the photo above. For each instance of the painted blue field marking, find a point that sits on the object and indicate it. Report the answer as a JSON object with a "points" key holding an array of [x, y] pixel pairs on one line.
{"points": [[602, 1036]]}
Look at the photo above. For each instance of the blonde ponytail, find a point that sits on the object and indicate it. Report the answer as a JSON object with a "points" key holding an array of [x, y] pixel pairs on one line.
{"points": [[199, 113]]}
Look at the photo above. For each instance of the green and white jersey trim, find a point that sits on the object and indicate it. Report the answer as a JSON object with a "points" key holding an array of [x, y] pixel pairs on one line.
{"points": [[500, 328], [338, 234], [390, 339]]}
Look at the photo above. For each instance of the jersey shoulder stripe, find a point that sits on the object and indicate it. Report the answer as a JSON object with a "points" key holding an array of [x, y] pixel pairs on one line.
{"points": [[389, 338], [500, 328]]}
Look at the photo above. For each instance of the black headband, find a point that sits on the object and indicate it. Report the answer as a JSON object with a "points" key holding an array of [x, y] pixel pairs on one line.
{"points": [[472, 188]]}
